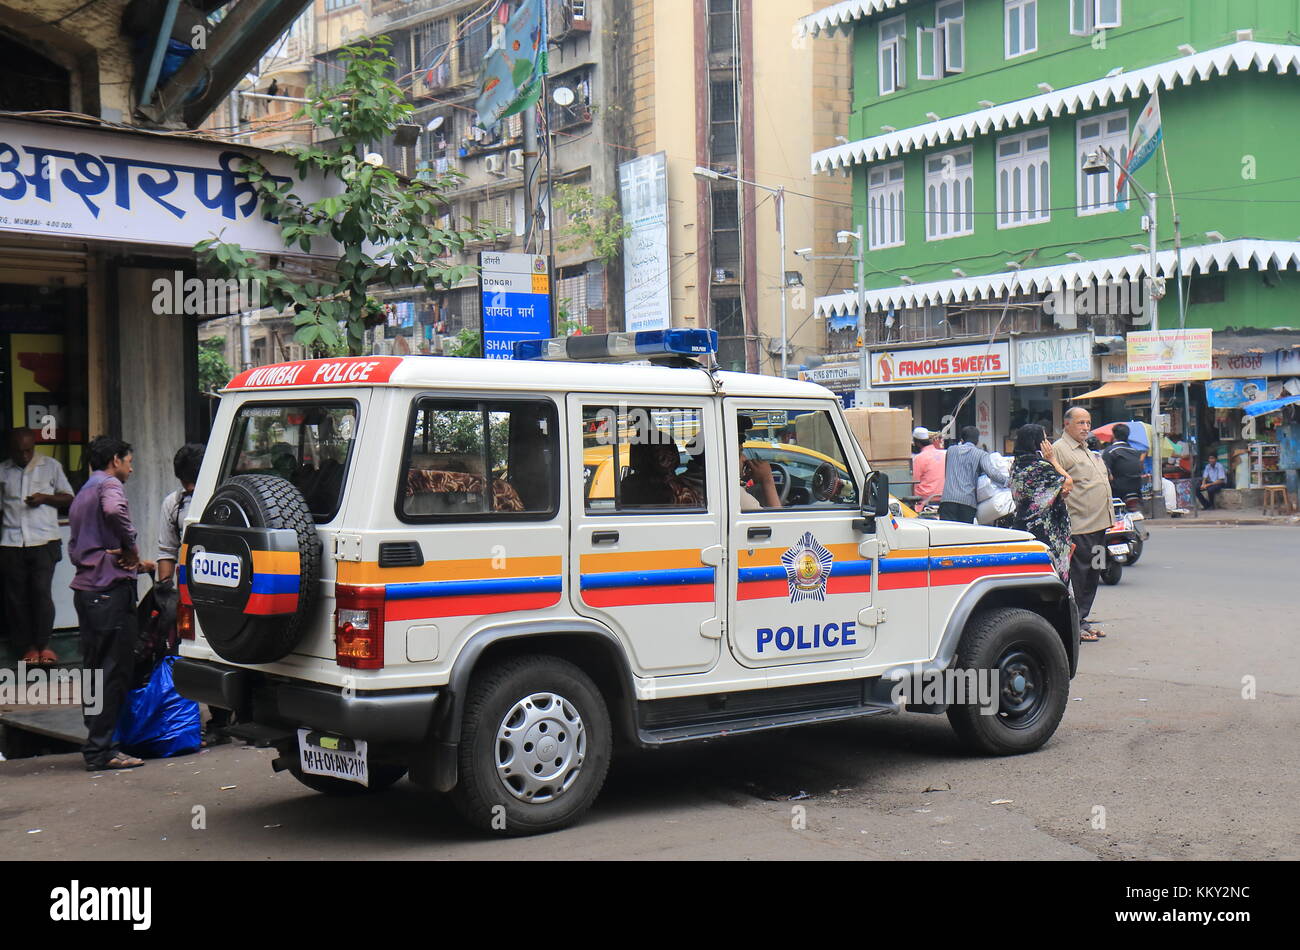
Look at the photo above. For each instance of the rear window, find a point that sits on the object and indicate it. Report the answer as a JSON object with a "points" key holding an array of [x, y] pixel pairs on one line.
{"points": [[471, 460], [308, 444]]}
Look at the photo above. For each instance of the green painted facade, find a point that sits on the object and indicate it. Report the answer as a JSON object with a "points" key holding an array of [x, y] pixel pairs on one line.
{"points": [[1229, 143]]}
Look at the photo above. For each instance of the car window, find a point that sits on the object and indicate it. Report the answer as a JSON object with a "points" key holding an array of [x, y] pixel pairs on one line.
{"points": [[640, 458], [308, 444], [477, 459], [807, 463]]}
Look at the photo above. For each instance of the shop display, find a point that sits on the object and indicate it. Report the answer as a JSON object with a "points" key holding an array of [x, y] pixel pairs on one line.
{"points": [[1265, 470]]}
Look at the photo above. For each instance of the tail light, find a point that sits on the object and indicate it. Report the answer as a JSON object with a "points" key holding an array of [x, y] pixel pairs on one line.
{"points": [[359, 627], [185, 622]]}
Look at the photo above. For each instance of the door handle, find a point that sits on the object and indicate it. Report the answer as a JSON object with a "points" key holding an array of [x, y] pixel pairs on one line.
{"points": [[604, 537], [759, 534]]}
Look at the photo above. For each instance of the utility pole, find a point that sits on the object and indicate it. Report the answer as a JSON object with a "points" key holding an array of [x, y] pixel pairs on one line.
{"points": [[531, 183]]}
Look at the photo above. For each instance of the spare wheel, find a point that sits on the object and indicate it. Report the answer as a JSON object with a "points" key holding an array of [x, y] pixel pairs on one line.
{"points": [[250, 568]]}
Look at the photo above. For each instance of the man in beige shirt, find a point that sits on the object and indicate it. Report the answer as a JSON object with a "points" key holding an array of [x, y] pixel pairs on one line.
{"points": [[1090, 512]]}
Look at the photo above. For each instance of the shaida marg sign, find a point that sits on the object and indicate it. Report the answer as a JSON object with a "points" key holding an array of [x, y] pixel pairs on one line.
{"points": [[155, 189]]}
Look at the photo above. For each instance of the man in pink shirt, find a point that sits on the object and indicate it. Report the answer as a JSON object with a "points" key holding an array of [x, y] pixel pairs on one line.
{"points": [[927, 467]]}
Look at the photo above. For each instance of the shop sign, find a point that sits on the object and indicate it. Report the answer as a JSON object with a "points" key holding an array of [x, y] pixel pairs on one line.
{"points": [[1114, 368], [1169, 354], [833, 373], [1063, 358], [1246, 365], [114, 186], [942, 366], [1235, 393]]}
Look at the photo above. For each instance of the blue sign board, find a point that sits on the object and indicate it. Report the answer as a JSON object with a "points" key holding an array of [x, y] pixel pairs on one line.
{"points": [[516, 301], [511, 317]]}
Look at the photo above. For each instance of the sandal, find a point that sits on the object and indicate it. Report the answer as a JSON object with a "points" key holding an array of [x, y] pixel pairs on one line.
{"points": [[119, 761], [1088, 636]]}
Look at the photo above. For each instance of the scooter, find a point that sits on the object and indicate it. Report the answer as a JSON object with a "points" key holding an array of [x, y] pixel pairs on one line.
{"points": [[1124, 542]]}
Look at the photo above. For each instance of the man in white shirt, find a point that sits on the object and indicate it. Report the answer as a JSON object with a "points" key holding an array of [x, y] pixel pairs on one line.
{"points": [[33, 490]]}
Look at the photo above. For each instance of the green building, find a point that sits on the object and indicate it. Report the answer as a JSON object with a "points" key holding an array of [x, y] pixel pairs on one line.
{"points": [[993, 256]]}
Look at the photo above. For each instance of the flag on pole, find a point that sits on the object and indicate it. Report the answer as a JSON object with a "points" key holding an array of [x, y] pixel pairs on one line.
{"points": [[1147, 136], [514, 66]]}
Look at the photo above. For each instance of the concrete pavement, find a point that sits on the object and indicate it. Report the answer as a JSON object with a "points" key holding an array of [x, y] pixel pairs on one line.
{"points": [[1179, 742]]}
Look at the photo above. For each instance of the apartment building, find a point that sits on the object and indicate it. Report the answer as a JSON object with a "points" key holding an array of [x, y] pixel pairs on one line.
{"points": [[972, 126]]}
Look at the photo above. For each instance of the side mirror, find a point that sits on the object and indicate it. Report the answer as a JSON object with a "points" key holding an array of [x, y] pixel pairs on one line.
{"points": [[875, 500]]}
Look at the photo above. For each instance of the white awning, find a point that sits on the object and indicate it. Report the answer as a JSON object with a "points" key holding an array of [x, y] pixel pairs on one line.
{"points": [[1258, 255], [841, 16], [1098, 93]]}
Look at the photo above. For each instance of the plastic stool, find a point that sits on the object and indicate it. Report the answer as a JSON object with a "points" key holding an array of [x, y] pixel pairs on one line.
{"points": [[1277, 497]]}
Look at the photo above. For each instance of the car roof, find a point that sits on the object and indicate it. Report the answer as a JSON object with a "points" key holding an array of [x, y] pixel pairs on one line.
{"points": [[441, 372]]}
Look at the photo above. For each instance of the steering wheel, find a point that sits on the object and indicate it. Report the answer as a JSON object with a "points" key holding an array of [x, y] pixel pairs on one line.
{"points": [[825, 482], [780, 481]]}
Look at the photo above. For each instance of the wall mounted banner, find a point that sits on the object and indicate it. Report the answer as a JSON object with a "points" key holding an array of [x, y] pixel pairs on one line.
{"points": [[1235, 393], [647, 280], [1169, 355]]}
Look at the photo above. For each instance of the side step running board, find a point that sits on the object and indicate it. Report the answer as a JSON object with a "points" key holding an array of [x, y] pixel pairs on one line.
{"points": [[760, 723]]}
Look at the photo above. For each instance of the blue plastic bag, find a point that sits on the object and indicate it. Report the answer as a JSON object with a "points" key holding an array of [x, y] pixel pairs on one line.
{"points": [[156, 721]]}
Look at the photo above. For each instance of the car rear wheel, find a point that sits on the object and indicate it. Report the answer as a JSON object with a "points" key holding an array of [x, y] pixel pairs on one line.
{"points": [[1027, 657], [535, 746]]}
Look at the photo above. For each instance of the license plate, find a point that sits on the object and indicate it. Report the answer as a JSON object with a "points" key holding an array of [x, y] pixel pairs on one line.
{"points": [[333, 757], [1119, 550]]}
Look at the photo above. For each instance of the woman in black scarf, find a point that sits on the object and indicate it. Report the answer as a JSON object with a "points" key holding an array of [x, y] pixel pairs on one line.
{"points": [[1039, 485]]}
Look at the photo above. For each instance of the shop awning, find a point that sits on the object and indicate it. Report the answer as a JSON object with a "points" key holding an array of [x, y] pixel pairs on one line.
{"points": [[1109, 91], [1272, 405], [1111, 390], [1197, 259]]}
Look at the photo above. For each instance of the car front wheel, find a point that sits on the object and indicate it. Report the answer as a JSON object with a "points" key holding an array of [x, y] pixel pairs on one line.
{"points": [[1025, 661]]}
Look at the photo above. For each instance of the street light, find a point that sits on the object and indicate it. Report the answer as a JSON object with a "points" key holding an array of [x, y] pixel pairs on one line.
{"points": [[1098, 163], [708, 174]]}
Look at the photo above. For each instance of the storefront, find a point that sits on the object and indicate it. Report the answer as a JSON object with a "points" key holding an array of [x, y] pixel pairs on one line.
{"points": [[97, 229], [950, 386]]}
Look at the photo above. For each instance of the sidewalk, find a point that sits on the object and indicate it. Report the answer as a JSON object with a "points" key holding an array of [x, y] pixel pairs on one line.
{"points": [[1228, 516]]}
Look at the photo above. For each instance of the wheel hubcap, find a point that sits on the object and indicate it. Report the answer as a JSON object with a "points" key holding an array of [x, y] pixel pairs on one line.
{"points": [[540, 747], [1023, 688]]}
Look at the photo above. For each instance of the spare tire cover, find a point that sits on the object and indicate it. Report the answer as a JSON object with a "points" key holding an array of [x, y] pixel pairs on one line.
{"points": [[250, 568]]}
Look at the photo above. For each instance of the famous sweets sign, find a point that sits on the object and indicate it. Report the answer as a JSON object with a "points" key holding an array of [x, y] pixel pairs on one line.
{"points": [[150, 189], [985, 364]]}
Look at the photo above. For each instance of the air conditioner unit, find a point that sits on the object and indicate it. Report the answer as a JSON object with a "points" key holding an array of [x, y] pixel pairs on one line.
{"points": [[493, 165], [516, 158]]}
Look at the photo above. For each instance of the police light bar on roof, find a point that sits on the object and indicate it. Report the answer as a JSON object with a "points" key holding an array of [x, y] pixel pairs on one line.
{"points": [[616, 347]]}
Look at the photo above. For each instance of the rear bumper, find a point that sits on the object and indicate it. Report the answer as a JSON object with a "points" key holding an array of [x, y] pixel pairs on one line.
{"points": [[398, 716]]}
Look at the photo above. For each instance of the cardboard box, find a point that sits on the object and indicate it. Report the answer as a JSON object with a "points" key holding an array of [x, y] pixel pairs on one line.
{"points": [[859, 421], [813, 431], [891, 433]]}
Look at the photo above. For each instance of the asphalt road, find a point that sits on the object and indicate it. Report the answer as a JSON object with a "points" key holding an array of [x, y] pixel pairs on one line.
{"points": [[1159, 756]]}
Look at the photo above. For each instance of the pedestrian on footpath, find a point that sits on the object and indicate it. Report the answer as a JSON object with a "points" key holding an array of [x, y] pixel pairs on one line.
{"points": [[34, 489], [1213, 480], [104, 553], [185, 466], [1090, 513], [1040, 485], [961, 470], [927, 467]]}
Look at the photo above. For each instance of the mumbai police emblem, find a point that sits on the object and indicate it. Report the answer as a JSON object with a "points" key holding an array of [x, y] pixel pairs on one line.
{"points": [[807, 567]]}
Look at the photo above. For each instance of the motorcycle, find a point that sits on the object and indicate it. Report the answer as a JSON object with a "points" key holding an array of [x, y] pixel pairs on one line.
{"points": [[1124, 541]]}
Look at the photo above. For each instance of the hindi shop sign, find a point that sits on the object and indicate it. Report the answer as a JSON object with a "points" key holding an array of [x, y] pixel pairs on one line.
{"points": [[942, 366], [1064, 358], [1169, 355], [154, 189], [516, 291]]}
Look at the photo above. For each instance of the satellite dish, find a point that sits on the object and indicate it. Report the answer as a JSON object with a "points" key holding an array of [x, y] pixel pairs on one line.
{"points": [[563, 96], [435, 123], [374, 158]]}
